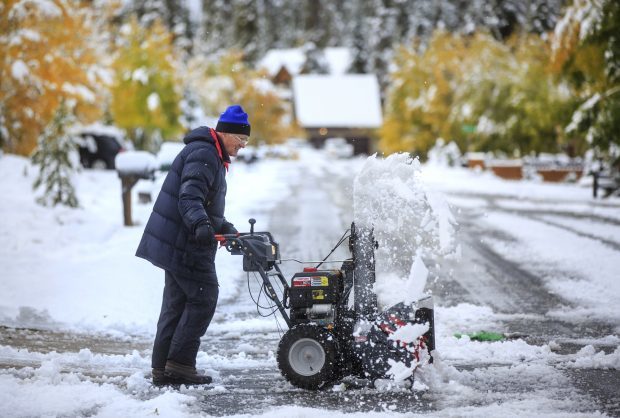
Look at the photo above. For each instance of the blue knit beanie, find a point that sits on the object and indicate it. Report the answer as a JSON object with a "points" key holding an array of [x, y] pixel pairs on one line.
{"points": [[234, 121]]}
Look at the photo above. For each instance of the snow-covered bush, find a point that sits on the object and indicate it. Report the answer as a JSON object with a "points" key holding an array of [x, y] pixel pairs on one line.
{"points": [[446, 155], [57, 158]]}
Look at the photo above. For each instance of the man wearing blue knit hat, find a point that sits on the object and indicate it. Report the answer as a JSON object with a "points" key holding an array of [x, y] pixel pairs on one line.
{"points": [[179, 237]]}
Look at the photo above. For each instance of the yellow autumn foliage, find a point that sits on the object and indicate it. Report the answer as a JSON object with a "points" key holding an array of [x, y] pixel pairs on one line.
{"points": [[479, 92], [145, 94], [420, 100], [227, 80], [45, 56]]}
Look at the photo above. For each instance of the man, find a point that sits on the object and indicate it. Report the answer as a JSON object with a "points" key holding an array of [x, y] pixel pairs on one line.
{"points": [[179, 238]]}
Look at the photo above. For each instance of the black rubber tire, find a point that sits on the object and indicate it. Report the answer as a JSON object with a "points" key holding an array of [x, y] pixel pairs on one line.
{"points": [[317, 344]]}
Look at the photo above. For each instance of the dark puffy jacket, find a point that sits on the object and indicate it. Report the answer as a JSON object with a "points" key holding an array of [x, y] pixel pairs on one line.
{"points": [[193, 192]]}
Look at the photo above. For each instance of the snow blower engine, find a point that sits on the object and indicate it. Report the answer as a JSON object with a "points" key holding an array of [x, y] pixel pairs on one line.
{"points": [[335, 327]]}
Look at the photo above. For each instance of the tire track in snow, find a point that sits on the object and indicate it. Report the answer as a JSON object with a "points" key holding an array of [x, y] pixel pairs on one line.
{"points": [[613, 244]]}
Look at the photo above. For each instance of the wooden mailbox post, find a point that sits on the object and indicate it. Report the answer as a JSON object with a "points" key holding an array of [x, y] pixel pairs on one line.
{"points": [[131, 167]]}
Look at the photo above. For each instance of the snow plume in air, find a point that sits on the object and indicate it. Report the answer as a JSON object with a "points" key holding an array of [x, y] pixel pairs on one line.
{"points": [[413, 226]]}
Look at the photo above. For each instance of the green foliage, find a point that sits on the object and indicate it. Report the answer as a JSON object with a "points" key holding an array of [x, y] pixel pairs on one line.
{"points": [[421, 97], [56, 157], [145, 97], [483, 94]]}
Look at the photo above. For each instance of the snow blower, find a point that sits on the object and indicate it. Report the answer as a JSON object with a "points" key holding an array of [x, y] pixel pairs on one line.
{"points": [[335, 327]]}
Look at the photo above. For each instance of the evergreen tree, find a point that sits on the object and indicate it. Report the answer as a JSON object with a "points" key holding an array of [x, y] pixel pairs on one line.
{"points": [[318, 22], [56, 157], [382, 29], [315, 60], [173, 14], [359, 44], [216, 32], [281, 21], [246, 29], [264, 39], [423, 19]]}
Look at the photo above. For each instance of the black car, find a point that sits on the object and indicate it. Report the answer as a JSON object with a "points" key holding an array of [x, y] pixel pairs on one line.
{"points": [[98, 150]]}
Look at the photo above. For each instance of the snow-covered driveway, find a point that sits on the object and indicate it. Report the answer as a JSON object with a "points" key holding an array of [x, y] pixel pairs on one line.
{"points": [[538, 262]]}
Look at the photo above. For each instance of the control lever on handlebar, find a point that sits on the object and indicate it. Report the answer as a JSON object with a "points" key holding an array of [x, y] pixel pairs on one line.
{"points": [[224, 238], [229, 241]]}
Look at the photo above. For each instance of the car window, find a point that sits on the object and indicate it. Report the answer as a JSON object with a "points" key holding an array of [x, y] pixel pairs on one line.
{"points": [[107, 143]]}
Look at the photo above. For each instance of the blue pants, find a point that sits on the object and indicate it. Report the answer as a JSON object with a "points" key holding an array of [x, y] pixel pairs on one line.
{"points": [[186, 312]]}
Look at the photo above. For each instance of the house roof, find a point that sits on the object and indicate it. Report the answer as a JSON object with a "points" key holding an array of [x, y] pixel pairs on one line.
{"points": [[344, 101], [293, 59]]}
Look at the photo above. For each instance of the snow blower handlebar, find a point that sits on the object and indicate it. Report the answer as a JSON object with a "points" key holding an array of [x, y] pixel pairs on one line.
{"points": [[260, 254]]}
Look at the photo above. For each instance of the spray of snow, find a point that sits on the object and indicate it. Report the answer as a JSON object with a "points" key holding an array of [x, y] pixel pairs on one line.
{"points": [[411, 224], [399, 371], [409, 333]]}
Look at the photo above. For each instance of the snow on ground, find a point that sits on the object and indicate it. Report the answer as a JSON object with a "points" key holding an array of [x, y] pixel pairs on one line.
{"points": [[74, 269], [544, 220], [587, 270], [77, 267]]}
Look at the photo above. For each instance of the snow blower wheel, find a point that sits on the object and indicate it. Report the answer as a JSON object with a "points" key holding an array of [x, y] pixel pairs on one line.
{"points": [[307, 356]]}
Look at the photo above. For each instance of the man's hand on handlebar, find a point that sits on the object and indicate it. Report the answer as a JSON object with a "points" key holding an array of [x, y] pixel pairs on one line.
{"points": [[228, 240], [228, 229]]}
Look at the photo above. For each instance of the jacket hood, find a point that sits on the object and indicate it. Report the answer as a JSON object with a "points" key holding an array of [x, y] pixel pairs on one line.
{"points": [[203, 133]]}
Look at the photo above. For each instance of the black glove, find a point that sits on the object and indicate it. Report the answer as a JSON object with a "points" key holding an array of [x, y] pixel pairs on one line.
{"points": [[204, 234], [228, 228]]}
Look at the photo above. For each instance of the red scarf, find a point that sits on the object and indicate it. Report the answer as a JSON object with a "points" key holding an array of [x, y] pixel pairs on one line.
{"points": [[219, 148]]}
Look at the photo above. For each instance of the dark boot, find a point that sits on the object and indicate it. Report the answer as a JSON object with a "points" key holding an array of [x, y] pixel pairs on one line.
{"points": [[185, 375], [160, 379]]}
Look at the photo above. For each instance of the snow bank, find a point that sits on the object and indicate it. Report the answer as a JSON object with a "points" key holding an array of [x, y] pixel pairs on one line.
{"points": [[75, 269], [51, 393], [589, 358]]}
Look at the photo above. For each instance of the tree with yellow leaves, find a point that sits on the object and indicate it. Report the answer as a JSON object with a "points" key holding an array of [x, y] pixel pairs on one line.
{"points": [[420, 100], [479, 92], [48, 53], [227, 80], [146, 93], [510, 98]]}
